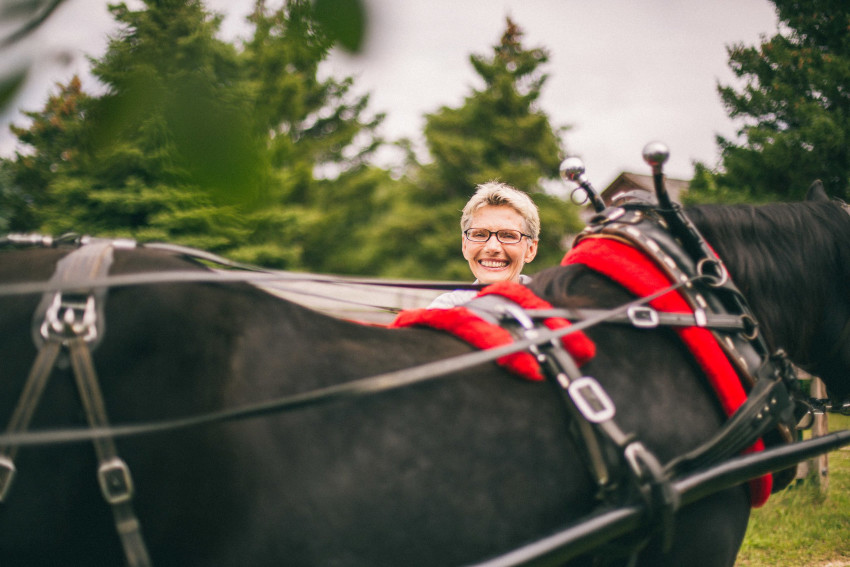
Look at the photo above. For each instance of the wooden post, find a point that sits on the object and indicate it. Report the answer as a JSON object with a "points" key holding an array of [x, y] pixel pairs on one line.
{"points": [[817, 469], [820, 464]]}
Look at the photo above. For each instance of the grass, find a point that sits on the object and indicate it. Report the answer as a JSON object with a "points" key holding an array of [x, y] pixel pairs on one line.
{"points": [[800, 526]]}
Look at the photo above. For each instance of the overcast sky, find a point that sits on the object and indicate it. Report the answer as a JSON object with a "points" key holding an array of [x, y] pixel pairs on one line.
{"points": [[622, 72]]}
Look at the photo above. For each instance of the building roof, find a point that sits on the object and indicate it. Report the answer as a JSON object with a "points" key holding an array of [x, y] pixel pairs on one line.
{"points": [[626, 182]]}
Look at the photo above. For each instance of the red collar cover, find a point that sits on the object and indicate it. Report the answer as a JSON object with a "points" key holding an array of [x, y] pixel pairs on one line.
{"points": [[469, 327], [637, 273]]}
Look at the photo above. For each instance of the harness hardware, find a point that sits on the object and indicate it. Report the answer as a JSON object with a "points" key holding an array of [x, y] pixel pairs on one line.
{"points": [[115, 481], [7, 474], [69, 327], [71, 316], [643, 316], [714, 271], [591, 400]]}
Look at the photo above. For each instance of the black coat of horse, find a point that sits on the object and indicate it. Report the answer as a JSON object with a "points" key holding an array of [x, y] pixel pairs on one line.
{"points": [[447, 472]]}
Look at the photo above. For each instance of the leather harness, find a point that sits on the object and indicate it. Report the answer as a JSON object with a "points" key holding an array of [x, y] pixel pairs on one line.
{"points": [[619, 463], [68, 325]]}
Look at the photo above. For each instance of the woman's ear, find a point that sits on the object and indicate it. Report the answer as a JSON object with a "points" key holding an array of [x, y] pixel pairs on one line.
{"points": [[531, 252]]}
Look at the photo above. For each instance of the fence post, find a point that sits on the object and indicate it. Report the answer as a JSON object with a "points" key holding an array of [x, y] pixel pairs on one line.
{"points": [[820, 465]]}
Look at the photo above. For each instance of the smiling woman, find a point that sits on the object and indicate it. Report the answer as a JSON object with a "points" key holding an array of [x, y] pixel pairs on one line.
{"points": [[500, 229]]}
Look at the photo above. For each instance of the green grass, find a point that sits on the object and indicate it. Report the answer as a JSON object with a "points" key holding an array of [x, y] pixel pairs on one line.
{"points": [[800, 526]]}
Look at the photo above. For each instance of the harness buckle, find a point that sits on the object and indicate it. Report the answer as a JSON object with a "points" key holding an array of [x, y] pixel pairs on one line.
{"points": [[643, 316], [74, 316], [116, 484], [591, 400], [7, 473]]}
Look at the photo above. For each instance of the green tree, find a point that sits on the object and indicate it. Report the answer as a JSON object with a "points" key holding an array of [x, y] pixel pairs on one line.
{"points": [[167, 153], [498, 133], [56, 132], [320, 139], [243, 152], [794, 107]]}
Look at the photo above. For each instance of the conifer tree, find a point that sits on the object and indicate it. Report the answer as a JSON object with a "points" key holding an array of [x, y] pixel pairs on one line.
{"points": [[320, 139], [794, 107], [200, 143], [498, 133], [57, 133]]}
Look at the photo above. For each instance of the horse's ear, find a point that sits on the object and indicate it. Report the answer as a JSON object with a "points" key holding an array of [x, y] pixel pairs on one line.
{"points": [[816, 192]]}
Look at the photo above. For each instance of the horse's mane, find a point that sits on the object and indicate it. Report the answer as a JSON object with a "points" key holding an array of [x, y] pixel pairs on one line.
{"points": [[776, 248]]}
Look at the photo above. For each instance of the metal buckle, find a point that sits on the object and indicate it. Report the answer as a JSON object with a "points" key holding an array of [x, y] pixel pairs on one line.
{"points": [[64, 315], [643, 316], [7, 473], [591, 400], [115, 481]]}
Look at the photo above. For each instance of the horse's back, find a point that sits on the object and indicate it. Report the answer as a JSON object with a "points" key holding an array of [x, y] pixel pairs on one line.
{"points": [[449, 471]]}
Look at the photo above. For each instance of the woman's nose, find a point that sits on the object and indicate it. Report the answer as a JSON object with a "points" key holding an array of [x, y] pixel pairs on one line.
{"points": [[493, 242]]}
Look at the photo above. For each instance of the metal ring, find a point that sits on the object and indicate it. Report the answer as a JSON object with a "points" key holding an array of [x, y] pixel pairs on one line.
{"points": [[714, 271], [579, 190], [751, 327]]}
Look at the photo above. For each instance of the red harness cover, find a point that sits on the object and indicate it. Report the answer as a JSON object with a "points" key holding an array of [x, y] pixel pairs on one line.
{"points": [[469, 327], [637, 273]]}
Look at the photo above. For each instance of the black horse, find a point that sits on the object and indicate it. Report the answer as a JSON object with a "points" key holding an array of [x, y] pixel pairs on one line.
{"points": [[445, 472]]}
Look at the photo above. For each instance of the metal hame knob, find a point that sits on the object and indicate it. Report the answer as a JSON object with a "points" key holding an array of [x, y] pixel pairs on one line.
{"points": [[656, 154], [572, 169]]}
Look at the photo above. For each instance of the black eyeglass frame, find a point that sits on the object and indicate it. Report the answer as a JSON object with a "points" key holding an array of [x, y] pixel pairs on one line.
{"points": [[496, 232]]}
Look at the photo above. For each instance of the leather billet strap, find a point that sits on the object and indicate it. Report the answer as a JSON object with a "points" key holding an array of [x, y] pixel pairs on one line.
{"points": [[646, 317], [113, 475], [23, 412], [67, 325]]}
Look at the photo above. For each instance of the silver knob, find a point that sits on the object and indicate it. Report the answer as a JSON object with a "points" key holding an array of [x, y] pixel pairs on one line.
{"points": [[572, 169], [655, 154]]}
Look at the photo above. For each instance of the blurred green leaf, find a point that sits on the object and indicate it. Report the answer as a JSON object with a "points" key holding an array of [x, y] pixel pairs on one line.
{"points": [[37, 12], [10, 85], [344, 20]]}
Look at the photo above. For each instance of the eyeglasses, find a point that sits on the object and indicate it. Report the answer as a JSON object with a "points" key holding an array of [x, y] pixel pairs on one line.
{"points": [[503, 236]]}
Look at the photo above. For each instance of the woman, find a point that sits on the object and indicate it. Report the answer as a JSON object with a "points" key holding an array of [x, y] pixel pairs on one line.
{"points": [[500, 228]]}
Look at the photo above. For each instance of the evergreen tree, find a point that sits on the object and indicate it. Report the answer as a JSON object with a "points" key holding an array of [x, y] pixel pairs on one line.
{"points": [[321, 137], [56, 132], [198, 143], [169, 152], [794, 107], [498, 133]]}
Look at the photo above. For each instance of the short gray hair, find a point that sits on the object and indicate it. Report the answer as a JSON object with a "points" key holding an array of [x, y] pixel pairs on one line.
{"points": [[499, 194]]}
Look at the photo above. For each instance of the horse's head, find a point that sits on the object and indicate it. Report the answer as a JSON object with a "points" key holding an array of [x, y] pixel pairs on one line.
{"points": [[792, 262]]}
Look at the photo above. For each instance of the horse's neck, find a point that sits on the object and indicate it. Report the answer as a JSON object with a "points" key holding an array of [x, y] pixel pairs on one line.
{"points": [[776, 282]]}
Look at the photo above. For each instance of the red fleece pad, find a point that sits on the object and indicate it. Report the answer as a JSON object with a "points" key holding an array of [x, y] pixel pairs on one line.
{"points": [[637, 273], [471, 328]]}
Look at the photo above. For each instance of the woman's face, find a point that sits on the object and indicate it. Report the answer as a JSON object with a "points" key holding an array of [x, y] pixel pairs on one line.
{"points": [[493, 261]]}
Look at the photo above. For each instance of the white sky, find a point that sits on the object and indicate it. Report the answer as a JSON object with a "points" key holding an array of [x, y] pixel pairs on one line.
{"points": [[622, 72]]}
